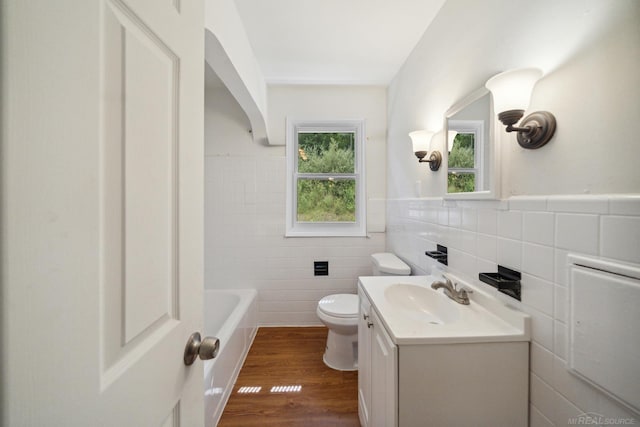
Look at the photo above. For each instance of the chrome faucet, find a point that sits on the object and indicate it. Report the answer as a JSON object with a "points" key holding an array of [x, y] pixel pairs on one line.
{"points": [[458, 295]]}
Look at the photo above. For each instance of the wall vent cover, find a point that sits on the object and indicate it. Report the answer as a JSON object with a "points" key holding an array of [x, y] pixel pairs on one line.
{"points": [[321, 268]]}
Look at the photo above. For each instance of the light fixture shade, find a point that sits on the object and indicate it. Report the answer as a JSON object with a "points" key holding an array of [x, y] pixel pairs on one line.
{"points": [[451, 136], [421, 140], [512, 89]]}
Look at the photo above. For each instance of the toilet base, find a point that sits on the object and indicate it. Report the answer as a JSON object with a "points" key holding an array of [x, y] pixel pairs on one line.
{"points": [[341, 352]]}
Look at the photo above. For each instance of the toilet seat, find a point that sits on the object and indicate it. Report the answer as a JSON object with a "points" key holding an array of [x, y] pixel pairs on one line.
{"points": [[343, 306]]}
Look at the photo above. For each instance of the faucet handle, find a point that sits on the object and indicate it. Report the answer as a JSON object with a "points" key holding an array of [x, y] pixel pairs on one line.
{"points": [[455, 285], [461, 288], [448, 280]]}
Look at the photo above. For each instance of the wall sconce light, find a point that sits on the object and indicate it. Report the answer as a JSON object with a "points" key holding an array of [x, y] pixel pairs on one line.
{"points": [[511, 95], [421, 140]]}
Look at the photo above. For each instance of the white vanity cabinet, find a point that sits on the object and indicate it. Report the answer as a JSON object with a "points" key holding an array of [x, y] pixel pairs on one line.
{"points": [[441, 382], [377, 370], [364, 359]]}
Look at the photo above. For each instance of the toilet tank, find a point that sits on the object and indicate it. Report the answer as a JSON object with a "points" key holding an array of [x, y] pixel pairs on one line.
{"points": [[387, 264]]}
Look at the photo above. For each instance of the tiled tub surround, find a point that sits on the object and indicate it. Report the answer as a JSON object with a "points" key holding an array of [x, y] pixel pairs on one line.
{"points": [[533, 235]]}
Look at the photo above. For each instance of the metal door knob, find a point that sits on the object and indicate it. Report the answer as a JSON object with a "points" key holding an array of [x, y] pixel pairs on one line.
{"points": [[206, 348]]}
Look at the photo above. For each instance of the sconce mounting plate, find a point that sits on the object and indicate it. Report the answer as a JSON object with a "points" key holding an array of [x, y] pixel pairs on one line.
{"points": [[542, 125], [435, 159]]}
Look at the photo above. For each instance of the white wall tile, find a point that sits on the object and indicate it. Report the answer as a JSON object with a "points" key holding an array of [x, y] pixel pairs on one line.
{"points": [[538, 260], [443, 216], [565, 412], [542, 363], [576, 390], [560, 303], [467, 242], [510, 224], [579, 204], [487, 247], [455, 217], [494, 205], [266, 318], [537, 293], [539, 227], [528, 203], [542, 395], [624, 204], [541, 327], [469, 219], [561, 267], [510, 253], [484, 266], [560, 339], [442, 236], [284, 306], [612, 409], [431, 215], [462, 262], [577, 232], [621, 238], [487, 221], [537, 419]]}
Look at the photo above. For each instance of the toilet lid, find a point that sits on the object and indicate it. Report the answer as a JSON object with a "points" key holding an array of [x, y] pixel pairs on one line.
{"points": [[339, 305]]}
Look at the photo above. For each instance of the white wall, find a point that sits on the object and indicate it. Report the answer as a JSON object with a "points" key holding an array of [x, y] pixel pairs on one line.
{"points": [[590, 51], [245, 245]]}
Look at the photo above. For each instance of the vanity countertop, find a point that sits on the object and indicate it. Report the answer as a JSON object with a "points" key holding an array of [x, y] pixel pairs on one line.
{"points": [[413, 313]]}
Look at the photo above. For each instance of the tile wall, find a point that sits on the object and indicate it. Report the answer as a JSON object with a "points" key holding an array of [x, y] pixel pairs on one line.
{"points": [[245, 245], [533, 235]]}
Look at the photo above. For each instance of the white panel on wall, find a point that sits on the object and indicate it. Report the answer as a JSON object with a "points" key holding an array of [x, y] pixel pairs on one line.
{"points": [[604, 311]]}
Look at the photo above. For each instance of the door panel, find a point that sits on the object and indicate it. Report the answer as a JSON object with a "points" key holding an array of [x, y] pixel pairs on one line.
{"points": [[139, 210], [102, 211]]}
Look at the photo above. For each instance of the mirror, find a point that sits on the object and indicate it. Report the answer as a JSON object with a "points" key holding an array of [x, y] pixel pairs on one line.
{"points": [[470, 157]]}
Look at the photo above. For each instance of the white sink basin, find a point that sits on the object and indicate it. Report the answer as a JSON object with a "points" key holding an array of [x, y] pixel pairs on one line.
{"points": [[422, 304], [413, 313]]}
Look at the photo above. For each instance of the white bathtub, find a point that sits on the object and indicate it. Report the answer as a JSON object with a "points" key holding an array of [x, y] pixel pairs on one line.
{"points": [[231, 316]]}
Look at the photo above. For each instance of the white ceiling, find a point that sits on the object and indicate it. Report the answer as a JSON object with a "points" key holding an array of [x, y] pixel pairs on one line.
{"points": [[334, 41]]}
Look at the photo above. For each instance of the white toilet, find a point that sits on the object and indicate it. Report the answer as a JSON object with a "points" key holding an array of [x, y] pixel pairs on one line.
{"points": [[339, 313]]}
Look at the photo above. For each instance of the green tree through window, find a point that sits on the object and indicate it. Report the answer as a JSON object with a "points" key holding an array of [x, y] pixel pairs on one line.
{"points": [[462, 174], [326, 187]]}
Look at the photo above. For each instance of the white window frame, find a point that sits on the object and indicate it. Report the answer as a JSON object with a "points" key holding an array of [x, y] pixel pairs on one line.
{"points": [[295, 228]]}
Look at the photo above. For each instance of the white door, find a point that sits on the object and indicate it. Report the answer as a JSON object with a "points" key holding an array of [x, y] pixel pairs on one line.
{"points": [[102, 211]]}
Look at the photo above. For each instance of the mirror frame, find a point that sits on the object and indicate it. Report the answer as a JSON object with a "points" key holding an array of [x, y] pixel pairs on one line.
{"points": [[493, 159]]}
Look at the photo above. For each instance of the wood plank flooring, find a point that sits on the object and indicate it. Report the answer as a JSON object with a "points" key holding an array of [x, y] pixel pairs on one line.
{"points": [[311, 394]]}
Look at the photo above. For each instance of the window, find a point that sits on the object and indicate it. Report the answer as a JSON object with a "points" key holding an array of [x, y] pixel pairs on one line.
{"points": [[465, 160], [325, 178]]}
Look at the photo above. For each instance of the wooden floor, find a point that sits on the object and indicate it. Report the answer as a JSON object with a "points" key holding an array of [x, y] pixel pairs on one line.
{"points": [[287, 384]]}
